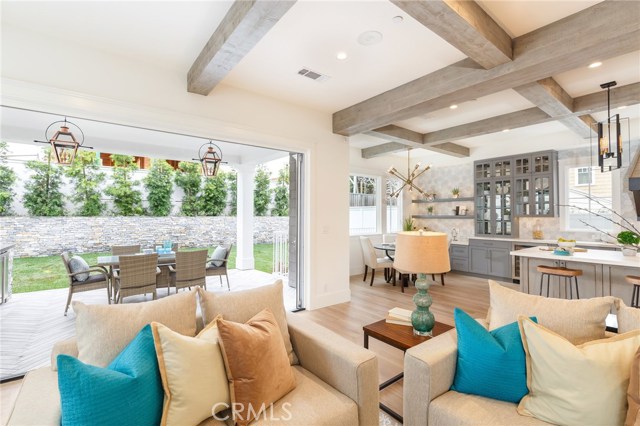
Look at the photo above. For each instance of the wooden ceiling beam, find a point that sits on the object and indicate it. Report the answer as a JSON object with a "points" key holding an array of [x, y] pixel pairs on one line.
{"points": [[567, 44], [401, 139], [550, 97], [597, 101], [465, 26], [244, 25]]}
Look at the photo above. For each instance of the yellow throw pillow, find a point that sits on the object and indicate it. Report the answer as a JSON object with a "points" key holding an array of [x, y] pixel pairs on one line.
{"points": [[193, 375], [576, 385], [257, 365]]}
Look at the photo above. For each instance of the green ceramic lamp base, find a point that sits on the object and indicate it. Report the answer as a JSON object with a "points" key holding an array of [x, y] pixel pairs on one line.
{"points": [[422, 319]]}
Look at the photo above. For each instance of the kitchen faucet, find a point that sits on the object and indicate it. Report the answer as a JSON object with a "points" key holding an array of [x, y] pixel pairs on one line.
{"points": [[454, 234]]}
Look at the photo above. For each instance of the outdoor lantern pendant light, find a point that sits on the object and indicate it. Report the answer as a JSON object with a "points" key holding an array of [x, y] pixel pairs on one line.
{"points": [[609, 148], [63, 142], [210, 159], [409, 180]]}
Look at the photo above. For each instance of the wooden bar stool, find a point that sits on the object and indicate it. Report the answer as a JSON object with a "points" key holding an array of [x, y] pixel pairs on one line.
{"points": [[635, 297], [559, 272]]}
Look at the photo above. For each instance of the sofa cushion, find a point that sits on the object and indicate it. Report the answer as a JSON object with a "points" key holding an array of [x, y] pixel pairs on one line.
{"points": [[454, 408], [127, 392], [193, 375], [257, 364], [576, 385], [103, 331], [311, 403], [628, 317], [633, 393], [38, 402], [78, 264], [240, 306], [489, 364], [579, 321]]}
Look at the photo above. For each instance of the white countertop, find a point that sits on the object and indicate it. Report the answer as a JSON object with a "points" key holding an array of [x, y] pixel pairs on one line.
{"points": [[465, 241], [601, 257]]}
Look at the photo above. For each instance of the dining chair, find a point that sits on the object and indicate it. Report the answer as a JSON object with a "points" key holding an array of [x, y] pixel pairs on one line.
{"points": [[136, 275], [189, 270], [371, 260], [218, 267], [97, 278], [125, 250]]}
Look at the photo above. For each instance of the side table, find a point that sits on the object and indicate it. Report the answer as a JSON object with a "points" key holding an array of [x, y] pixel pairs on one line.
{"points": [[400, 337]]}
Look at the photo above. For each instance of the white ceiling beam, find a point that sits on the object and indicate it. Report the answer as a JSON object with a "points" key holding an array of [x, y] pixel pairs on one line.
{"points": [[547, 95], [465, 26], [607, 29], [240, 30]]}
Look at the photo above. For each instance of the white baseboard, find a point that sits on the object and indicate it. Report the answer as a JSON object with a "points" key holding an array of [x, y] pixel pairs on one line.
{"points": [[328, 299]]}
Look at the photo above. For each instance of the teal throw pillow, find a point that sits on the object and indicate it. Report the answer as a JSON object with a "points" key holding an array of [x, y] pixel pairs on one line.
{"points": [[127, 392], [490, 363]]}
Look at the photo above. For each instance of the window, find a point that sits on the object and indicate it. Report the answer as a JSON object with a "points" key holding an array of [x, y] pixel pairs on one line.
{"points": [[363, 204], [584, 176], [589, 197], [394, 207]]}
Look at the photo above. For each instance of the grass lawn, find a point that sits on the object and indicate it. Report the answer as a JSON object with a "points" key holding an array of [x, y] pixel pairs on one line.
{"points": [[45, 273]]}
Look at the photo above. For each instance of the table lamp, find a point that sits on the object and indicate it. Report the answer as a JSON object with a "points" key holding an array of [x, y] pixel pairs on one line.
{"points": [[422, 253]]}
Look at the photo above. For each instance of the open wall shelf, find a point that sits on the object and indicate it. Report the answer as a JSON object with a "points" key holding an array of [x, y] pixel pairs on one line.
{"points": [[444, 200], [437, 216]]}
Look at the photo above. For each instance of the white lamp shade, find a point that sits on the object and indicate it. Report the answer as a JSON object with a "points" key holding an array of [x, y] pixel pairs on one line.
{"points": [[422, 252]]}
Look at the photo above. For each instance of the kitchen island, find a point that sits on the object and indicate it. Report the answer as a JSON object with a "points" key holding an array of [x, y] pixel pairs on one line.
{"points": [[603, 272]]}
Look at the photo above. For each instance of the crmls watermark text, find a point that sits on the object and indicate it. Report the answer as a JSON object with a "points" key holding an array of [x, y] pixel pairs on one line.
{"points": [[243, 412]]}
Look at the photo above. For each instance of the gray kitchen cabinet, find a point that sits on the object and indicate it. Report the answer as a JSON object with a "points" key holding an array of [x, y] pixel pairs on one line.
{"points": [[491, 258], [493, 194], [459, 256], [536, 184]]}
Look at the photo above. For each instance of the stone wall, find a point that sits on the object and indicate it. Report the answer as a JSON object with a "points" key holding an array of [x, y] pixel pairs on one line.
{"points": [[43, 236]]}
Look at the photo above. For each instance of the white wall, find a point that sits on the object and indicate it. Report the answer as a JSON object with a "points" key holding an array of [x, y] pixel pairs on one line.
{"points": [[45, 74]]}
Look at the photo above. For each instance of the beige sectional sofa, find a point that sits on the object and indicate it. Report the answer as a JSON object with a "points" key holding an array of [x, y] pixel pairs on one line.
{"points": [[337, 380], [429, 368]]}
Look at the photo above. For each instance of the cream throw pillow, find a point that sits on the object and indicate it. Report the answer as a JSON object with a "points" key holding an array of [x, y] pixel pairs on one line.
{"points": [[578, 321], [103, 331], [193, 375], [576, 385], [241, 306], [628, 317]]}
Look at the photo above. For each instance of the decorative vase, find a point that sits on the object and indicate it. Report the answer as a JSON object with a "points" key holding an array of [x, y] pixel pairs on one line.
{"points": [[422, 319], [629, 251], [455, 195]]}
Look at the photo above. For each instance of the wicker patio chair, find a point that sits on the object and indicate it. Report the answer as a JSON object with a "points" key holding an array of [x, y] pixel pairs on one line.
{"points": [[136, 275], [189, 270], [124, 250], [214, 270], [98, 278]]}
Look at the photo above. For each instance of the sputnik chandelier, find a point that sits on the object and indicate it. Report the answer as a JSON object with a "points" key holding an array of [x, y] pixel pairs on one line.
{"points": [[409, 180]]}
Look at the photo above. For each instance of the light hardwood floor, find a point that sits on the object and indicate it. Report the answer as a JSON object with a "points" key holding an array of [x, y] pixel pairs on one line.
{"points": [[367, 305]]}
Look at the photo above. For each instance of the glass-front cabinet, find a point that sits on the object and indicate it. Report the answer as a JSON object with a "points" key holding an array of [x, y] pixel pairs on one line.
{"points": [[509, 187]]}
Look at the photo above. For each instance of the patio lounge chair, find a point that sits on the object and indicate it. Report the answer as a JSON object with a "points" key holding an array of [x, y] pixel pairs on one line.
{"points": [[137, 275], [189, 270], [98, 278], [213, 269]]}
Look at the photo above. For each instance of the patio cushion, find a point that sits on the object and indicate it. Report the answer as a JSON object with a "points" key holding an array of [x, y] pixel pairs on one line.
{"points": [[78, 264], [241, 306], [104, 330], [219, 254], [96, 278]]}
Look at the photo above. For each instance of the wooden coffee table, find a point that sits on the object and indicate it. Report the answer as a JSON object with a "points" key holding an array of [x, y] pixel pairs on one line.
{"points": [[400, 337]]}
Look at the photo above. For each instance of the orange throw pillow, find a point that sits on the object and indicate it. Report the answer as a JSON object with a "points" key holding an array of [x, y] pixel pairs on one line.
{"points": [[633, 393], [257, 365]]}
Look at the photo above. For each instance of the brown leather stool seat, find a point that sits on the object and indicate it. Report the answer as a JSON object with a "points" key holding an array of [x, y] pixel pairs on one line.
{"points": [[635, 297], [568, 274]]}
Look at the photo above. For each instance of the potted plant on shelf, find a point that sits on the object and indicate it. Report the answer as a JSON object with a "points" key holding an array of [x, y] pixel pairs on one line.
{"points": [[407, 224], [629, 241], [430, 210], [455, 192]]}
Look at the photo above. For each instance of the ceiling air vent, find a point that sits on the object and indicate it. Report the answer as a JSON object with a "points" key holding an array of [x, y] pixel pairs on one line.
{"points": [[313, 75]]}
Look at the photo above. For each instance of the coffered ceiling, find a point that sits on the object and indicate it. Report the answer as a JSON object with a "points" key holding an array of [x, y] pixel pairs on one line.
{"points": [[372, 87]]}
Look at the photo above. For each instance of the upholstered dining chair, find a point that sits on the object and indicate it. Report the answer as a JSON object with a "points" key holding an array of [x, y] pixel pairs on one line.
{"points": [[218, 267], [371, 260], [136, 275], [89, 278], [189, 270]]}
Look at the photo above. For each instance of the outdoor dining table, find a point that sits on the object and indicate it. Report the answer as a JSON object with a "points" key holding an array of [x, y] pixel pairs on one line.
{"points": [[163, 259]]}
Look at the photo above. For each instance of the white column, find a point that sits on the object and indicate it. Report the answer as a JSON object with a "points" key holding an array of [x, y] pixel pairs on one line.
{"points": [[244, 219]]}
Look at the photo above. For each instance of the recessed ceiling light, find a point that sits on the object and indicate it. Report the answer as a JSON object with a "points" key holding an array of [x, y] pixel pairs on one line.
{"points": [[341, 55], [454, 106], [397, 19], [505, 130], [369, 38], [595, 65]]}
